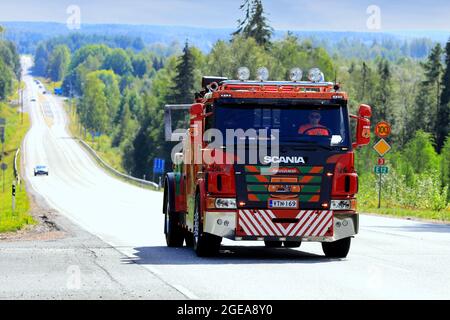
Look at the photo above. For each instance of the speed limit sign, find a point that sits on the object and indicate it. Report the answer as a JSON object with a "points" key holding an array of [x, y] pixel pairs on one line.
{"points": [[383, 129]]}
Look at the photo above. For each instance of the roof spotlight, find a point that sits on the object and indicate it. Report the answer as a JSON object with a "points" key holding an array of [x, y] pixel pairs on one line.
{"points": [[315, 75], [262, 74], [243, 73], [296, 74]]}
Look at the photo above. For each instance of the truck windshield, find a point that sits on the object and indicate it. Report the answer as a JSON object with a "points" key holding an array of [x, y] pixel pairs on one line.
{"points": [[325, 126]]}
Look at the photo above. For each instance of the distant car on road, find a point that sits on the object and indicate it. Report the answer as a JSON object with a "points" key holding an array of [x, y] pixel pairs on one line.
{"points": [[41, 170]]}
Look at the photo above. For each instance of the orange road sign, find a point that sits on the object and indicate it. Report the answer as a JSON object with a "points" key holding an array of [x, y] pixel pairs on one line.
{"points": [[382, 147], [383, 129]]}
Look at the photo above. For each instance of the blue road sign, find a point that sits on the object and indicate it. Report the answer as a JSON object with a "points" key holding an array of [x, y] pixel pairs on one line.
{"points": [[381, 169], [158, 165]]}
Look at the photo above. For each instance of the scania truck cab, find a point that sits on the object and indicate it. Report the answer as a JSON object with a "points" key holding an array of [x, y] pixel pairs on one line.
{"points": [[269, 161]]}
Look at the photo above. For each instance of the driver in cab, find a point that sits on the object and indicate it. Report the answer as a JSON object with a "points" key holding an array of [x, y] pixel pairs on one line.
{"points": [[314, 128]]}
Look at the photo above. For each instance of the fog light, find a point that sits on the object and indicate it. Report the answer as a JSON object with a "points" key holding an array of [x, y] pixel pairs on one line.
{"points": [[338, 224], [345, 223], [226, 223], [219, 222]]}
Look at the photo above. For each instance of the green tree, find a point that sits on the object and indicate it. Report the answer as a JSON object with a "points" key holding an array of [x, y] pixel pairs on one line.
{"points": [[94, 108], [111, 91], [421, 149], [428, 97], [443, 119], [255, 23], [5, 81], [240, 52], [290, 52], [184, 82], [445, 162], [383, 106], [58, 63], [119, 62], [41, 60]]}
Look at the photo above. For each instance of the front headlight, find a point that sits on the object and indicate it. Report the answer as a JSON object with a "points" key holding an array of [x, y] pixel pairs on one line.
{"points": [[225, 203], [349, 204]]}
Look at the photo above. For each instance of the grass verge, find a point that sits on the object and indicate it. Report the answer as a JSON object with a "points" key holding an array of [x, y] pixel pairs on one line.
{"points": [[423, 214], [15, 132]]}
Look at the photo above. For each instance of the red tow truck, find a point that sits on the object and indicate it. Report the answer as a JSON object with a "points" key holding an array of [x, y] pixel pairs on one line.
{"points": [[302, 189]]}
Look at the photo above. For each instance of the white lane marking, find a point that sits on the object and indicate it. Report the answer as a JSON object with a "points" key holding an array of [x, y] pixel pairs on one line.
{"points": [[188, 293]]}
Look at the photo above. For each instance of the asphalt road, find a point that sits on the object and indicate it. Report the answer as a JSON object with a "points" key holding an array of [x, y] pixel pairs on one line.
{"points": [[389, 259]]}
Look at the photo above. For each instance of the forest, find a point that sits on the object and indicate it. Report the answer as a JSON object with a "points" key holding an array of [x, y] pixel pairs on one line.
{"points": [[120, 86]]}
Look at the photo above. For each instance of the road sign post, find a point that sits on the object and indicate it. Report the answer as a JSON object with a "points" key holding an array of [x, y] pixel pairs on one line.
{"points": [[3, 166], [13, 193], [379, 192], [382, 131]]}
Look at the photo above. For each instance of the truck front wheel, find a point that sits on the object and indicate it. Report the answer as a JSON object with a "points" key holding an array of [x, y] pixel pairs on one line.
{"points": [[336, 249], [204, 244], [174, 233], [273, 244]]}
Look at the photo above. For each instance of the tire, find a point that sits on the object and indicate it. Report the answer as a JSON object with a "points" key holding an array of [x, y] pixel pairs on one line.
{"points": [[189, 239], [292, 244], [174, 233], [204, 244], [336, 249], [273, 244]]}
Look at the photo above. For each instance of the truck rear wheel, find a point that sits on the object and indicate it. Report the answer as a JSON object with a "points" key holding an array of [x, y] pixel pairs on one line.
{"points": [[174, 233], [273, 244], [336, 249], [204, 244]]}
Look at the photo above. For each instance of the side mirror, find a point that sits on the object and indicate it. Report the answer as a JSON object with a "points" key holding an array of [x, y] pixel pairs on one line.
{"points": [[196, 110], [363, 126], [365, 111]]}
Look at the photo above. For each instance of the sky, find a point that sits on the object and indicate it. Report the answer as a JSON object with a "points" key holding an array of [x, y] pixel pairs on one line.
{"points": [[344, 15]]}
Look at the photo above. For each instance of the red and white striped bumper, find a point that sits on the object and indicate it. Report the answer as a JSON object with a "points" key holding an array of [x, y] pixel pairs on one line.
{"points": [[284, 223]]}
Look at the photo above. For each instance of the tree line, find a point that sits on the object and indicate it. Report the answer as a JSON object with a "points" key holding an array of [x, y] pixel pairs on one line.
{"points": [[9, 66], [121, 93]]}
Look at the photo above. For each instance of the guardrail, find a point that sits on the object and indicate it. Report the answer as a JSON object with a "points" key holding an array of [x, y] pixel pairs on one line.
{"points": [[16, 170], [132, 180]]}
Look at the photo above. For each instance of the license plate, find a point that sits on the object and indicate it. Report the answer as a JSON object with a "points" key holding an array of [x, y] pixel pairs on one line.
{"points": [[283, 203]]}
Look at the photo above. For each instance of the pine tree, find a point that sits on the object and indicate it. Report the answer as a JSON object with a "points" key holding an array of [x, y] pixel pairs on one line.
{"points": [[383, 96], [443, 119], [365, 71], [183, 89], [242, 23], [428, 99], [255, 24]]}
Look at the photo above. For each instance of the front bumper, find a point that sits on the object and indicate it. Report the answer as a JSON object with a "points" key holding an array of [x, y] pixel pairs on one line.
{"points": [[336, 225]]}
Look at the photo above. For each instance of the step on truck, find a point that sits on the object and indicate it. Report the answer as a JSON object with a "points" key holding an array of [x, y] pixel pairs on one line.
{"points": [[269, 161]]}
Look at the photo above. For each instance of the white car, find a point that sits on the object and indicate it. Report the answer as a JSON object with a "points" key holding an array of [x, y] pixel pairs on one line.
{"points": [[41, 170]]}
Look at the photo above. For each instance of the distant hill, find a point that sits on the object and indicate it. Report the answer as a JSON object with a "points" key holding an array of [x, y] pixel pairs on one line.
{"points": [[415, 44]]}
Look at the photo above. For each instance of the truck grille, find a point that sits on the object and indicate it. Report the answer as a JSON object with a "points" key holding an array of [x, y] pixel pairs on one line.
{"points": [[306, 185]]}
